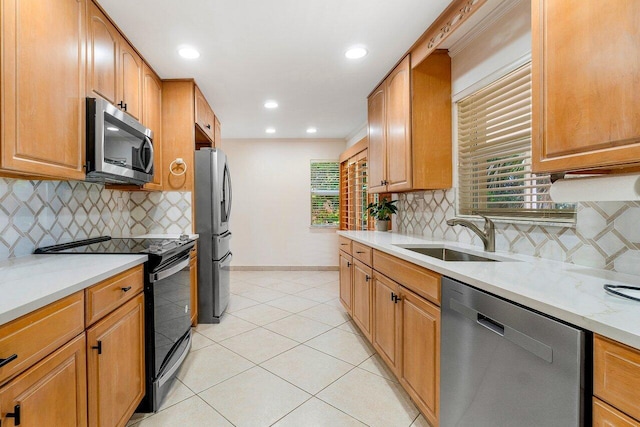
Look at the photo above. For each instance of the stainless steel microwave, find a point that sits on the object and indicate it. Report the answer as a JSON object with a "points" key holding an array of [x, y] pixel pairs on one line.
{"points": [[119, 148]]}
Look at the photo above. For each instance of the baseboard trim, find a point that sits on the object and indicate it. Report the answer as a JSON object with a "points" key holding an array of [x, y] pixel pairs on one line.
{"points": [[284, 268]]}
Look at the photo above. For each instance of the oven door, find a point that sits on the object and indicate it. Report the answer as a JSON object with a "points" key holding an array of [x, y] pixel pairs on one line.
{"points": [[171, 289]]}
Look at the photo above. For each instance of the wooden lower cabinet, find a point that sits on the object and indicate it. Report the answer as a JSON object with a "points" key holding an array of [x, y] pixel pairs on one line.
{"points": [[361, 307], [115, 365], [607, 416], [346, 280], [51, 393], [420, 371], [387, 332]]}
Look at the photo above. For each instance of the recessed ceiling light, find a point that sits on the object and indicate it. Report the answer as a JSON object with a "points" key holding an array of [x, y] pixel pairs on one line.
{"points": [[271, 104], [188, 52], [312, 130], [355, 52], [270, 130], [112, 129]]}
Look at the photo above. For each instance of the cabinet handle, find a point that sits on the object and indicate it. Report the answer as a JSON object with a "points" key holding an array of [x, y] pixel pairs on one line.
{"points": [[8, 360], [128, 288], [208, 126], [98, 347], [123, 105], [367, 277], [395, 298], [381, 182], [15, 415], [343, 244], [348, 264]]}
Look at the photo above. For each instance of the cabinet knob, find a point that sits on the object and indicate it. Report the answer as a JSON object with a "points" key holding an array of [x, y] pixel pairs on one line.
{"points": [[208, 126], [367, 277], [15, 415], [348, 264], [98, 347], [8, 360], [128, 288]]}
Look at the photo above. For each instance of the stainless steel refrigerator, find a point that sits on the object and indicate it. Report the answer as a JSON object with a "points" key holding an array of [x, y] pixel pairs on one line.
{"points": [[213, 208]]}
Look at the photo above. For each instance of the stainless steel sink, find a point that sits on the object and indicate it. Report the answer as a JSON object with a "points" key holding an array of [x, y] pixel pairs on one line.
{"points": [[446, 254]]}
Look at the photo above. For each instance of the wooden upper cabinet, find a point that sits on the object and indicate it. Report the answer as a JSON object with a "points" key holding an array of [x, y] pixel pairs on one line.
{"points": [[130, 89], [585, 84], [102, 55], [43, 93], [217, 133], [410, 127], [152, 118], [205, 119], [377, 141], [398, 127], [115, 70]]}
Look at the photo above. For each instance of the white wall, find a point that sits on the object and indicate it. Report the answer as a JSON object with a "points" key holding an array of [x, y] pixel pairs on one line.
{"points": [[271, 202]]}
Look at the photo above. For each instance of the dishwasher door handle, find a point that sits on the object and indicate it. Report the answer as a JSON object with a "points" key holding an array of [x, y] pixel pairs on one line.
{"points": [[520, 339]]}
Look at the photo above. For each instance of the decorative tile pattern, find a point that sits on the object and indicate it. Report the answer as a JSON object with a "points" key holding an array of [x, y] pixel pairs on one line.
{"points": [[41, 213], [605, 235]]}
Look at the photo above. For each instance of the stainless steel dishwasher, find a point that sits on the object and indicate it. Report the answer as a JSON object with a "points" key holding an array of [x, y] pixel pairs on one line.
{"points": [[505, 365]]}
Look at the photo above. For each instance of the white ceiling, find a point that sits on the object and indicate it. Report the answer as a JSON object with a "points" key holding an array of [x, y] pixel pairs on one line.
{"points": [[291, 51]]}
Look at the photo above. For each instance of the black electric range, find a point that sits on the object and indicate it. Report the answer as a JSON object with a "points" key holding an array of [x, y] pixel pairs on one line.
{"points": [[160, 251], [167, 294]]}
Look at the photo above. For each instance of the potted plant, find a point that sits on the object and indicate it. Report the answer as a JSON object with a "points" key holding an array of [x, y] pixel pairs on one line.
{"points": [[381, 212]]}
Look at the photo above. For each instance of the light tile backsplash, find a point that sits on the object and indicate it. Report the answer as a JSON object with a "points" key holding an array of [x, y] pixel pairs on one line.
{"points": [[41, 213], [606, 234]]}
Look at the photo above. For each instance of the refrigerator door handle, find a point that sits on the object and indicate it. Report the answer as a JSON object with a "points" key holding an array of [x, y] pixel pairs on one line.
{"points": [[226, 198]]}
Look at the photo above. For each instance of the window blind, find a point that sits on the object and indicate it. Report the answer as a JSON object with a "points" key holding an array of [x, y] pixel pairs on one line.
{"points": [[325, 193], [494, 154]]}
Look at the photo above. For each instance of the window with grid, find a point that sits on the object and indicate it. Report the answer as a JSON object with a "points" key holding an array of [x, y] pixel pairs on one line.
{"points": [[494, 154], [325, 193]]}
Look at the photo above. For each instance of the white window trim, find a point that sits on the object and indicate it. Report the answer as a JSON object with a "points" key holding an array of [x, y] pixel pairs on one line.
{"points": [[485, 81]]}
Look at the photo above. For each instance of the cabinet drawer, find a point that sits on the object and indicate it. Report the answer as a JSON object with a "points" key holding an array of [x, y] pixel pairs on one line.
{"points": [[420, 280], [35, 335], [110, 294], [616, 375], [606, 416], [362, 252], [344, 244]]}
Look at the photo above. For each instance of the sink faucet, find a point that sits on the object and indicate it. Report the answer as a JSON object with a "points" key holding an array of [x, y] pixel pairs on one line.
{"points": [[488, 236]]}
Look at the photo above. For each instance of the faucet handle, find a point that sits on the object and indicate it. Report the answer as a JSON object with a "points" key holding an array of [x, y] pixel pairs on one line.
{"points": [[488, 224]]}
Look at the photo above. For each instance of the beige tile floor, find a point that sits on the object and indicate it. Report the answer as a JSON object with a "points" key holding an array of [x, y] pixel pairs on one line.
{"points": [[285, 354]]}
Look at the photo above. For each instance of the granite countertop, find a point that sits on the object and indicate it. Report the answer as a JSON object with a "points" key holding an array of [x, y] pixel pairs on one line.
{"points": [[31, 282], [566, 291]]}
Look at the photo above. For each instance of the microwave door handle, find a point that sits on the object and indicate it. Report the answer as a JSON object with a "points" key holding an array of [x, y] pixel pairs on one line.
{"points": [[141, 150]]}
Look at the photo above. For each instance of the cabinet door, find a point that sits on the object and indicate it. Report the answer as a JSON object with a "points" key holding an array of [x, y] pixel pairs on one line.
{"points": [[204, 115], [398, 127], [362, 284], [607, 416], [217, 133], [585, 85], [152, 118], [115, 361], [51, 393], [346, 280], [130, 80], [193, 266], [102, 56], [420, 372], [377, 142], [386, 320], [43, 87]]}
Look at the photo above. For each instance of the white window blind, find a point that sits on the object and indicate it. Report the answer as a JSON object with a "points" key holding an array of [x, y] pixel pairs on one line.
{"points": [[494, 154], [325, 193]]}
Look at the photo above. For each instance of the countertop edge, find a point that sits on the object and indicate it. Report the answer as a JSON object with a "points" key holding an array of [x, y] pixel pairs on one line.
{"points": [[582, 320]]}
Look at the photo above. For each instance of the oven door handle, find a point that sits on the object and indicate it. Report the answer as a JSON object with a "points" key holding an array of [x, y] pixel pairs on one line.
{"points": [[170, 271]]}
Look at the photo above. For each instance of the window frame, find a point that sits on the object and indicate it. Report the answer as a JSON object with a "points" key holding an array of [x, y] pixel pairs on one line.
{"points": [[565, 220]]}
